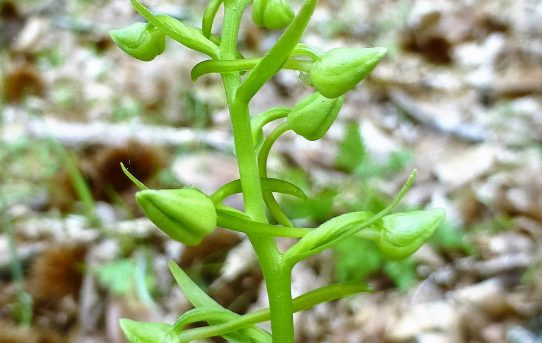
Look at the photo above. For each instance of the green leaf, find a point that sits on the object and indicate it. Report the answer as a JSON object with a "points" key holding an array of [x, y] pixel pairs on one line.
{"points": [[199, 298], [189, 36], [301, 303], [143, 332], [327, 234], [193, 293], [351, 152], [328, 293], [202, 314]]}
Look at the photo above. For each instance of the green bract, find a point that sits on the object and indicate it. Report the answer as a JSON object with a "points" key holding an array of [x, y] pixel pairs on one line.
{"points": [[340, 70], [272, 14], [401, 234], [140, 40], [313, 116], [186, 215], [186, 35]]}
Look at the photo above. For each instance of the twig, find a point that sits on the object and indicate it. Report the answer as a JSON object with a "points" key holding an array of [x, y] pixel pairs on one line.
{"points": [[84, 134]]}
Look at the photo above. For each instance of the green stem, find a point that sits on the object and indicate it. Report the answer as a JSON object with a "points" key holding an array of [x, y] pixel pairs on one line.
{"points": [[276, 275], [209, 17], [259, 121], [225, 66], [302, 49], [269, 199], [234, 223], [268, 184], [240, 118]]}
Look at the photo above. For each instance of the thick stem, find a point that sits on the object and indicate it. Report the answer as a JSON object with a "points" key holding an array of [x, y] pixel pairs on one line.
{"points": [[277, 277]]}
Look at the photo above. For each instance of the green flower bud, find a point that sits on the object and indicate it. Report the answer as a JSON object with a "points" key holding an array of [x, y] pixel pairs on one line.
{"points": [[313, 116], [272, 14], [401, 234], [140, 40], [186, 215], [340, 70]]}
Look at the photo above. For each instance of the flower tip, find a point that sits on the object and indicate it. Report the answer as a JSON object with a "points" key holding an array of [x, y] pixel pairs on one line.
{"points": [[380, 52]]}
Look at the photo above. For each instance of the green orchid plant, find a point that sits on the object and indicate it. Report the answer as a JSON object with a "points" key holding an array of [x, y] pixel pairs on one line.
{"points": [[187, 215]]}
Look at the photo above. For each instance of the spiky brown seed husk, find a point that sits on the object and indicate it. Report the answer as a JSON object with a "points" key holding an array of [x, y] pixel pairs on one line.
{"points": [[57, 273]]}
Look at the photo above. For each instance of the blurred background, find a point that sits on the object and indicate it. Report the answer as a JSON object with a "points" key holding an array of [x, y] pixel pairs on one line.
{"points": [[459, 97]]}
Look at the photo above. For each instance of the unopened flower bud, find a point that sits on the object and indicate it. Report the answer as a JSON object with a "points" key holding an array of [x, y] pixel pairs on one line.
{"points": [[272, 14], [313, 116], [340, 70], [401, 234], [186, 215], [140, 40]]}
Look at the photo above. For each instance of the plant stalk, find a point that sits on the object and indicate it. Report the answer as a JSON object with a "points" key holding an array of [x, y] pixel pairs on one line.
{"points": [[277, 276]]}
